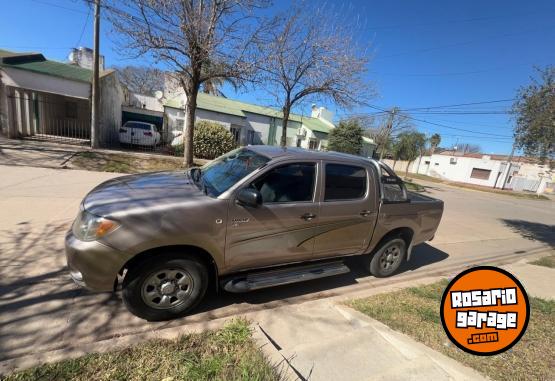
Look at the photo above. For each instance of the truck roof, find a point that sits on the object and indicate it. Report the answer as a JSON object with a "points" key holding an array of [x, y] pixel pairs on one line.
{"points": [[303, 154]]}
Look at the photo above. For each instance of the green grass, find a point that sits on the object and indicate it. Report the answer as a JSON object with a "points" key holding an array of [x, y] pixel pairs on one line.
{"points": [[548, 261], [415, 312], [225, 354], [123, 163]]}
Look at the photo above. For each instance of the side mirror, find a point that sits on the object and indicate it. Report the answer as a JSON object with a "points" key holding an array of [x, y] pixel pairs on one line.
{"points": [[249, 197]]}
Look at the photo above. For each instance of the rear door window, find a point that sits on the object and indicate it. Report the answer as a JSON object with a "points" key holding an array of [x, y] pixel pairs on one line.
{"points": [[345, 182]]}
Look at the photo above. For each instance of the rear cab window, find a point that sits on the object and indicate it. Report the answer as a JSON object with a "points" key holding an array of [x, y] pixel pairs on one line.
{"points": [[345, 182]]}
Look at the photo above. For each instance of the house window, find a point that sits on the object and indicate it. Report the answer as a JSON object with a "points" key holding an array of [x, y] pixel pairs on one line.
{"points": [[481, 174], [251, 135], [236, 132], [427, 162], [436, 163], [453, 160], [313, 144], [71, 110], [179, 124], [299, 141]]}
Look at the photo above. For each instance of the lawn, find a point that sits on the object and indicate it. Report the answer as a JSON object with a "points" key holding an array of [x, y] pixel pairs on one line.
{"points": [[225, 354], [415, 312], [548, 261], [125, 163], [531, 196]]}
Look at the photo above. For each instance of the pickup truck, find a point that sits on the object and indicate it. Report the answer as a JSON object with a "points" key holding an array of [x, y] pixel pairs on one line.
{"points": [[256, 217]]}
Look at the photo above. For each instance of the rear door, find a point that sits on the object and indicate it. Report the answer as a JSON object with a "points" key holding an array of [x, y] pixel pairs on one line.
{"points": [[348, 210], [281, 230]]}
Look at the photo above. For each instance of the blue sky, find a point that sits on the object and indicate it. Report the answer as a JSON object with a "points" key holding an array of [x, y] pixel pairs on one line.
{"points": [[425, 53]]}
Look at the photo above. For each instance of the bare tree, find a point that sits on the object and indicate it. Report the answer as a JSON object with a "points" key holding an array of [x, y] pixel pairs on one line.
{"points": [[468, 148], [310, 57], [197, 40], [388, 125], [140, 79]]}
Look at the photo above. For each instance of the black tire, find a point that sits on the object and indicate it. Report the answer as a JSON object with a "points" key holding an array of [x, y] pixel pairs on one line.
{"points": [[187, 278], [388, 258]]}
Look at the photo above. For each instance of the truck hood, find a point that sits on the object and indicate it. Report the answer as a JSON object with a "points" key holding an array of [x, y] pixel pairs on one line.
{"points": [[140, 193]]}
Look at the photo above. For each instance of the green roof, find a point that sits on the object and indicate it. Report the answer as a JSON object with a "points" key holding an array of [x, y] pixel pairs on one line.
{"points": [[238, 108], [36, 63]]}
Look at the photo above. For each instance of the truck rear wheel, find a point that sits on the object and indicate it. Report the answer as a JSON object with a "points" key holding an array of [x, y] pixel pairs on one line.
{"points": [[164, 287], [387, 259]]}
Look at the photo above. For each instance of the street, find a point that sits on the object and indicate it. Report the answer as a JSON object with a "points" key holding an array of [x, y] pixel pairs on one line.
{"points": [[41, 309]]}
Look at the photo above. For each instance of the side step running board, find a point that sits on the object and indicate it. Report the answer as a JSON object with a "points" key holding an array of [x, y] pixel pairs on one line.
{"points": [[270, 278]]}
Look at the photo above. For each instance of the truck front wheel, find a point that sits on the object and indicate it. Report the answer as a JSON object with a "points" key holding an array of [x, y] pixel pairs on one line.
{"points": [[164, 287], [387, 259]]}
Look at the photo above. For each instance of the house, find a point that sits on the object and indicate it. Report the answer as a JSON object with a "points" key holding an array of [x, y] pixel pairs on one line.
{"points": [[254, 124], [523, 174], [46, 99]]}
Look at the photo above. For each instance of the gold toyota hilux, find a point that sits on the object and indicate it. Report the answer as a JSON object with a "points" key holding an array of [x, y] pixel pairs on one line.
{"points": [[257, 217]]}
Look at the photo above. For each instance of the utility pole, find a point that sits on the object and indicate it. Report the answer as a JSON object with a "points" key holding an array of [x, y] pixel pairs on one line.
{"points": [[388, 129], [509, 160], [95, 80]]}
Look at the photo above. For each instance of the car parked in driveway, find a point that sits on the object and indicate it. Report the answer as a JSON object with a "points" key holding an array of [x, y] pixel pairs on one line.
{"points": [[139, 133], [256, 217]]}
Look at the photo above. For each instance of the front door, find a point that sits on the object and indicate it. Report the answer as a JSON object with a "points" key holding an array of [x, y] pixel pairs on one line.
{"points": [[281, 230], [348, 210]]}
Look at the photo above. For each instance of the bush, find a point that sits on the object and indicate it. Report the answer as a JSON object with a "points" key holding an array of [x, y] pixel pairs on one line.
{"points": [[210, 140], [347, 137]]}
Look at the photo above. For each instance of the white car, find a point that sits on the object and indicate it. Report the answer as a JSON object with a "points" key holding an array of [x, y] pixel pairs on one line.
{"points": [[139, 133]]}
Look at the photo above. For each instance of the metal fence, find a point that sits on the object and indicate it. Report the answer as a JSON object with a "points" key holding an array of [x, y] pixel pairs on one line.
{"points": [[41, 116]]}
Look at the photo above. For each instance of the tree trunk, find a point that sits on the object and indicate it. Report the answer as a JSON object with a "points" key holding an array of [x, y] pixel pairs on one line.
{"points": [[407, 169], [284, 126], [394, 162], [188, 129]]}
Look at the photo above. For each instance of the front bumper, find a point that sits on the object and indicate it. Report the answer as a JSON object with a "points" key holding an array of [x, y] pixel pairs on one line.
{"points": [[93, 265]]}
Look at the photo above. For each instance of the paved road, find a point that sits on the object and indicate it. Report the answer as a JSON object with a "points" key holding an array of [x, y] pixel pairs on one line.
{"points": [[40, 308]]}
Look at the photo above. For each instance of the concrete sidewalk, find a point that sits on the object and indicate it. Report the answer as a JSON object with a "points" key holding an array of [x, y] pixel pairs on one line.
{"points": [[326, 341]]}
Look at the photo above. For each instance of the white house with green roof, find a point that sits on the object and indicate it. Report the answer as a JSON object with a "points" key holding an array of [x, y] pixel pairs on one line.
{"points": [[253, 124], [51, 100]]}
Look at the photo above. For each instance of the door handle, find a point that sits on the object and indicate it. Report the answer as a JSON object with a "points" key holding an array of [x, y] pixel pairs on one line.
{"points": [[365, 213], [308, 216]]}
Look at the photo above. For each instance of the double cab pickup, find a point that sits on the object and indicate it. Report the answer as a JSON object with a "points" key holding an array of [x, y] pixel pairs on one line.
{"points": [[256, 217]]}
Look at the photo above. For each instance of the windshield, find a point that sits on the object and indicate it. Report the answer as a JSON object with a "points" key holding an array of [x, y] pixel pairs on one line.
{"points": [[221, 174]]}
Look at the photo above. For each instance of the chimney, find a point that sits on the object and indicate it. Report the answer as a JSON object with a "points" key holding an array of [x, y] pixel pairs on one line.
{"points": [[83, 57], [321, 113], [314, 111]]}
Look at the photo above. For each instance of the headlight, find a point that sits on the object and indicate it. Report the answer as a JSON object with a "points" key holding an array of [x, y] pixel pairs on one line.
{"points": [[88, 227]]}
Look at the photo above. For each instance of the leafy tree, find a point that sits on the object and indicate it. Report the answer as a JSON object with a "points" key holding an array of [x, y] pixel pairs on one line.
{"points": [[346, 137], [535, 117], [408, 146], [310, 57], [435, 139], [141, 79]]}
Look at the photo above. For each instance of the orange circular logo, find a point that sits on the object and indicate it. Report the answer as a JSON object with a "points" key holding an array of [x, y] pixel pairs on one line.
{"points": [[485, 310]]}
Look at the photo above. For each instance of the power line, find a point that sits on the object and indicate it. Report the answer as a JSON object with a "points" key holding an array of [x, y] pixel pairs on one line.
{"points": [[84, 27], [460, 104], [441, 125]]}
